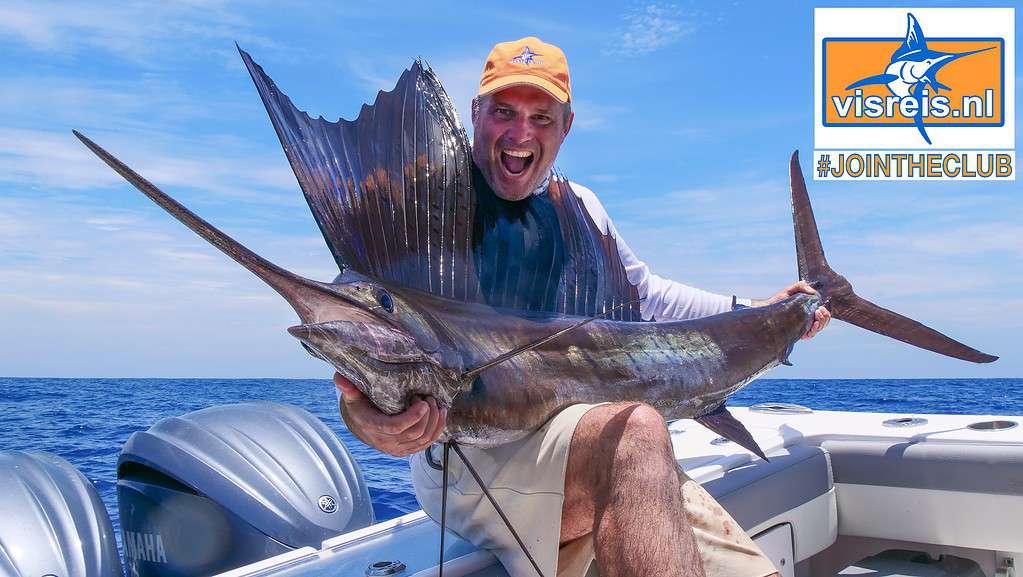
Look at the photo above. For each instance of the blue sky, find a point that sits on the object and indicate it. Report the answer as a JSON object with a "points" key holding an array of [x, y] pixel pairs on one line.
{"points": [[685, 117]]}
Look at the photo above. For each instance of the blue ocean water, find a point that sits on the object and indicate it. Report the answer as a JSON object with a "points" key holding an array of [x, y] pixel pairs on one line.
{"points": [[86, 421]]}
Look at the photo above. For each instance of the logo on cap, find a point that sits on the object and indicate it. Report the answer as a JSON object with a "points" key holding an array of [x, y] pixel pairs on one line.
{"points": [[527, 57]]}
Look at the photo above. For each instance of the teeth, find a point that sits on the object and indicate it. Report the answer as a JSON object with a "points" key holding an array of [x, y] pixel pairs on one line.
{"points": [[519, 153]]}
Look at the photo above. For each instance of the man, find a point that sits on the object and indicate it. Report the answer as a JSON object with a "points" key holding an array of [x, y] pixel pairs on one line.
{"points": [[596, 479]]}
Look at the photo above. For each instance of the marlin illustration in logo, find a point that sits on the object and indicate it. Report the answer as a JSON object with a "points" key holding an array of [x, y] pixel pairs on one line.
{"points": [[912, 68]]}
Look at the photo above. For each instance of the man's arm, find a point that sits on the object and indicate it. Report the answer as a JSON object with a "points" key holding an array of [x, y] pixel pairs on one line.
{"points": [[399, 435], [665, 299]]}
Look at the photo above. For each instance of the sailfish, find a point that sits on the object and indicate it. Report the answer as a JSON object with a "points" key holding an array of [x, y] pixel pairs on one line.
{"points": [[394, 194], [913, 68]]}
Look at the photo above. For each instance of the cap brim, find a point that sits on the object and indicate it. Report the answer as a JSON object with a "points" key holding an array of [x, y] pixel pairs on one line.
{"points": [[522, 80]]}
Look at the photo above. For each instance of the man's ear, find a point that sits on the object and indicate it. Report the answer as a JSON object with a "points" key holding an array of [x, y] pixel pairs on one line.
{"points": [[568, 123]]}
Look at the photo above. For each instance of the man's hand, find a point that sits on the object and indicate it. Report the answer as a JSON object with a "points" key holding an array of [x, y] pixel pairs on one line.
{"points": [[821, 317], [399, 435]]}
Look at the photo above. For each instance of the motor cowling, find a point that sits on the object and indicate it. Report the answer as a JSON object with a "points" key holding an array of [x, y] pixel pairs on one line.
{"points": [[229, 485], [52, 521]]}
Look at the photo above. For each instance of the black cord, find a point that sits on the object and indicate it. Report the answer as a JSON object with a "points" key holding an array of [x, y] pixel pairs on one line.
{"points": [[493, 502], [443, 508]]}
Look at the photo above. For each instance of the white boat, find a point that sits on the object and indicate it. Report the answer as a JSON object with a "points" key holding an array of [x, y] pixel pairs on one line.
{"points": [[843, 493], [856, 493]]}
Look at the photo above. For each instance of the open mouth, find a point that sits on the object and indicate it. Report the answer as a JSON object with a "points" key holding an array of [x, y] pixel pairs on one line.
{"points": [[516, 162], [373, 343], [354, 376]]}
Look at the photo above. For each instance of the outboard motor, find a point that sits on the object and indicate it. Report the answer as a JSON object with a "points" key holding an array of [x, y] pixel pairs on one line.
{"points": [[52, 521], [226, 486]]}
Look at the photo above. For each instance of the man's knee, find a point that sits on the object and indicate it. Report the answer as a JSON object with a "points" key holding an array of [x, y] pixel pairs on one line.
{"points": [[621, 431], [645, 423], [612, 444]]}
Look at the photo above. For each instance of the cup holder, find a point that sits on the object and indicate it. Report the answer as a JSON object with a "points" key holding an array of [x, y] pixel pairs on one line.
{"points": [[384, 568], [992, 425], [780, 409], [905, 422]]}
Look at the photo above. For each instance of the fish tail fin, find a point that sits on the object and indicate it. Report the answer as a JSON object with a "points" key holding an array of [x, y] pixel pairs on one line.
{"points": [[837, 293], [300, 292]]}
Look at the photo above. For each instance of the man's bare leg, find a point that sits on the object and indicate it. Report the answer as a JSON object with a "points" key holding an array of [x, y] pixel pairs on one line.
{"points": [[622, 485]]}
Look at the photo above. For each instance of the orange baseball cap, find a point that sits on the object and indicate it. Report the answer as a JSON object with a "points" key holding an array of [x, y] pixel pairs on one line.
{"points": [[527, 61]]}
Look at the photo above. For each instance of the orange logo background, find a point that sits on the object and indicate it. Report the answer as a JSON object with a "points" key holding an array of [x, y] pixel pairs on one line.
{"points": [[847, 61]]}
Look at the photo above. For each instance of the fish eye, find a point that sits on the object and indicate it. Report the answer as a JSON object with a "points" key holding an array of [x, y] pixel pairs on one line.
{"points": [[385, 300]]}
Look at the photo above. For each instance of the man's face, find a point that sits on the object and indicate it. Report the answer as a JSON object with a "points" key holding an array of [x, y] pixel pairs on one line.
{"points": [[516, 136]]}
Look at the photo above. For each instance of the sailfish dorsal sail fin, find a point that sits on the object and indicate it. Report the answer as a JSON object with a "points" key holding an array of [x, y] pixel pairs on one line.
{"points": [[390, 190], [393, 194], [594, 281]]}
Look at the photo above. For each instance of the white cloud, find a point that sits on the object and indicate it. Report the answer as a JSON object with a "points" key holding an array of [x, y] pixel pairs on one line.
{"points": [[649, 28], [697, 195], [370, 73], [737, 238], [713, 209], [110, 223], [727, 125], [461, 79], [590, 115], [50, 159], [141, 123], [116, 105], [57, 160], [915, 283], [101, 291], [603, 178], [132, 31], [182, 255], [32, 27], [695, 133], [965, 240]]}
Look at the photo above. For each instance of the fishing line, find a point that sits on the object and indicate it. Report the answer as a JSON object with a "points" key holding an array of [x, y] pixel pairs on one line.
{"points": [[490, 497], [443, 508], [471, 373]]}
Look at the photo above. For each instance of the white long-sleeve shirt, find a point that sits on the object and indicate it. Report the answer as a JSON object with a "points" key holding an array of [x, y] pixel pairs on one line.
{"points": [[661, 298]]}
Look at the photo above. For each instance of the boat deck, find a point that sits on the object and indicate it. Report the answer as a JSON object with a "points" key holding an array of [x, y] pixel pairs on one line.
{"points": [[840, 486]]}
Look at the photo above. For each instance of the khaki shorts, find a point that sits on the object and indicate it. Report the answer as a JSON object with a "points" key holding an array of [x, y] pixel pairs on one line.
{"points": [[527, 478]]}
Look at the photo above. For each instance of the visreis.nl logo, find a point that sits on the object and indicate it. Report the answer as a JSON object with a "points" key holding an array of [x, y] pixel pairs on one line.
{"points": [[914, 106]]}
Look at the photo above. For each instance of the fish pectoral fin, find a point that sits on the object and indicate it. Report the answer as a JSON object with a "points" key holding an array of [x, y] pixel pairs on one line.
{"points": [[876, 79], [725, 424], [785, 356], [935, 85]]}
